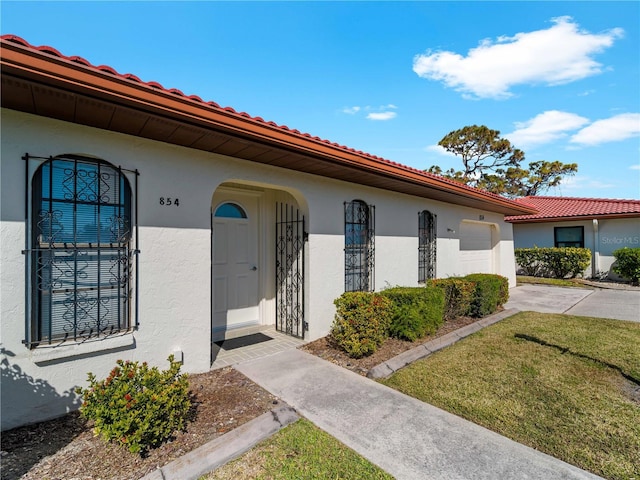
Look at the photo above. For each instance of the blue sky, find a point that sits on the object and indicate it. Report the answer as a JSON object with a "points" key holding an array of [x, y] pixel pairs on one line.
{"points": [[561, 80]]}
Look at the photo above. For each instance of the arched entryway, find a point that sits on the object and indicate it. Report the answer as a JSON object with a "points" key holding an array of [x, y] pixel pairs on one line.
{"points": [[257, 260]]}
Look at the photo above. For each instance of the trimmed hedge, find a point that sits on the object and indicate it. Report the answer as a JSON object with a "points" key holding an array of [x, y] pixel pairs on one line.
{"points": [[491, 292], [418, 311], [458, 295], [627, 263], [362, 322], [553, 262]]}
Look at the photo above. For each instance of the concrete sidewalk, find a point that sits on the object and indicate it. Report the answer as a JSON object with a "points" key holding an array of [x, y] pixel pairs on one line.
{"points": [[404, 436]]}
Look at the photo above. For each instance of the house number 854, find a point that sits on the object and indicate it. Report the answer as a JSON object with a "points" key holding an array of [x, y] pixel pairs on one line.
{"points": [[167, 201]]}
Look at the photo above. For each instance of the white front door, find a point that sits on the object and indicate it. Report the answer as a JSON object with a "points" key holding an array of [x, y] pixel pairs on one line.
{"points": [[235, 263]]}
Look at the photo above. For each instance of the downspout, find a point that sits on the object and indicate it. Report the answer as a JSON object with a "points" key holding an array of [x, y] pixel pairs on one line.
{"points": [[595, 257]]}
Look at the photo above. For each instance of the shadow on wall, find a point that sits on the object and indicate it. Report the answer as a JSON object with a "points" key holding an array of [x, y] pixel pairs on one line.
{"points": [[17, 443], [17, 386]]}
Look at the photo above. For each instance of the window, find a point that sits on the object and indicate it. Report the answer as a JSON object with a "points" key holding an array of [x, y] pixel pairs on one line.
{"points": [[81, 253], [230, 210], [569, 236], [359, 246], [426, 246]]}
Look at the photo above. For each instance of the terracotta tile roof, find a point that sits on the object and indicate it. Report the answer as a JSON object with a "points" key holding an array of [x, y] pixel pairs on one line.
{"points": [[388, 166], [560, 208]]}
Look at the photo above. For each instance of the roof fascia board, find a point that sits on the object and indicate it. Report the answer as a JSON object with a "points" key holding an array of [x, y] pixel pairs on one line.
{"points": [[608, 216]]}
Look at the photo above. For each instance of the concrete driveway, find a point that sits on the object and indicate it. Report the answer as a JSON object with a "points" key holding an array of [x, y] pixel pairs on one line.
{"points": [[603, 303]]}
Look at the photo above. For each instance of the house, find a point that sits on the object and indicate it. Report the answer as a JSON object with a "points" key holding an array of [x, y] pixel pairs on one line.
{"points": [[137, 222], [602, 225]]}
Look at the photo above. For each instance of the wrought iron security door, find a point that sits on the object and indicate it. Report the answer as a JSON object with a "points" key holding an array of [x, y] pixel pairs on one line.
{"points": [[290, 241]]}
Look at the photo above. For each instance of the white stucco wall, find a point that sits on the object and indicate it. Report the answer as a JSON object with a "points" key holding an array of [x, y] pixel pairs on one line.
{"points": [[608, 236], [174, 274]]}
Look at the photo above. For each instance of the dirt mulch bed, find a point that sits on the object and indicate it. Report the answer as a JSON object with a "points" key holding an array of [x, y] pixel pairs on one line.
{"points": [[65, 448], [327, 350]]}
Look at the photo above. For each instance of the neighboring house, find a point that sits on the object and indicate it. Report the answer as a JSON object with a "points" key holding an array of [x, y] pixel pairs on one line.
{"points": [[602, 225], [137, 222]]}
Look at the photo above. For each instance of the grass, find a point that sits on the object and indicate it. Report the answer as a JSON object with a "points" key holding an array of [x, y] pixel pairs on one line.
{"points": [[558, 282], [300, 450], [568, 386]]}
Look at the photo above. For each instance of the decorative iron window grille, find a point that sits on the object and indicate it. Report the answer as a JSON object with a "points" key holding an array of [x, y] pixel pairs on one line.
{"points": [[290, 241], [426, 246], [359, 246], [80, 260]]}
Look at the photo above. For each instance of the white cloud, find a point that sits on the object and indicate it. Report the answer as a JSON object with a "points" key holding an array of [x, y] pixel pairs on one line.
{"points": [[440, 151], [635, 167], [351, 110], [545, 127], [560, 54], [586, 93], [383, 112], [619, 127], [381, 115], [580, 184]]}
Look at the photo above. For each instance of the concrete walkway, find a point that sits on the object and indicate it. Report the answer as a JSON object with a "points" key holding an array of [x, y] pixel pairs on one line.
{"points": [[404, 436], [617, 304]]}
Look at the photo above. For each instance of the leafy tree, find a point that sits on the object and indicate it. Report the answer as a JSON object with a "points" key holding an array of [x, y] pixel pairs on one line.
{"points": [[481, 150], [493, 164]]}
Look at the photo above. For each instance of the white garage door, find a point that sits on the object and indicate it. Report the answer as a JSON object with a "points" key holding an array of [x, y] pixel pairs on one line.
{"points": [[476, 253]]}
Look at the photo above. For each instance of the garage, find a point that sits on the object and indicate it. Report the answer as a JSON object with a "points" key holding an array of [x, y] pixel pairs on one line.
{"points": [[476, 247]]}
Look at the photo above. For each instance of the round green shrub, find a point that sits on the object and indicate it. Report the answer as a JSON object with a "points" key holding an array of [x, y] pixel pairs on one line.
{"points": [[137, 406], [361, 323], [627, 263]]}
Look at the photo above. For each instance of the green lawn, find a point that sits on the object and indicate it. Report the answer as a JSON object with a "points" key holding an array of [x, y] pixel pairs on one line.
{"points": [[553, 382], [299, 451]]}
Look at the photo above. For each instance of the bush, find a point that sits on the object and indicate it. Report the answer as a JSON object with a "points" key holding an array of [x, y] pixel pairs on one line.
{"points": [[362, 322], [458, 295], [627, 263], [530, 261], [491, 291], [137, 406], [417, 311], [553, 262]]}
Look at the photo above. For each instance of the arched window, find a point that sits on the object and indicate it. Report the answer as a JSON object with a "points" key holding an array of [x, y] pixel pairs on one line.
{"points": [[359, 249], [426, 246], [230, 210], [81, 263]]}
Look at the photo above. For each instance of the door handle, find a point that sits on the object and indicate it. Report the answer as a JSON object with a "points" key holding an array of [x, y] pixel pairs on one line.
{"points": [[254, 268]]}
